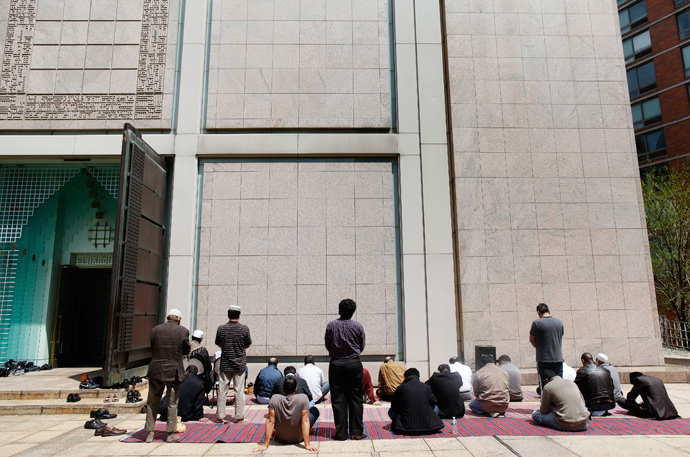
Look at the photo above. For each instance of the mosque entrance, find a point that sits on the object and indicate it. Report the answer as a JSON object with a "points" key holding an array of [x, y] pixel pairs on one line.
{"points": [[81, 316]]}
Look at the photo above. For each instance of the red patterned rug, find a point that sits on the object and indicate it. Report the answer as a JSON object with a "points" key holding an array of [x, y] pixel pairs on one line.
{"points": [[517, 422]]}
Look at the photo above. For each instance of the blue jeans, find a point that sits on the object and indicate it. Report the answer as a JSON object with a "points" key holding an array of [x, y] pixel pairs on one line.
{"points": [[313, 416], [325, 388], [262, 400], [600, 409], [547, 420], [476, 409]]}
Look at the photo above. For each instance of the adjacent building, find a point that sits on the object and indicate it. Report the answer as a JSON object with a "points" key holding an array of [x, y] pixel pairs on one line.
{"points": [[447, 164]]}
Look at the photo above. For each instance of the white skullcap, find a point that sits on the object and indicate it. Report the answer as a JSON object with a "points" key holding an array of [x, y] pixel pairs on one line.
{"points": [[603, 358], [198, 334], [235, 308], [175, 312]]}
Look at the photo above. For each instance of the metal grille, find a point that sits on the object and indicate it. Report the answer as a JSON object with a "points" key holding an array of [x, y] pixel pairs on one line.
{"points": [[674, 334], [109, 178], [22, 190], [8, 273]]}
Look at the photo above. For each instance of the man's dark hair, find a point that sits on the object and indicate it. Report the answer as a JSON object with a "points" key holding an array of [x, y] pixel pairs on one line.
{"points": [[347, 308], [234, 314], [443, 368], [542, 308], [634, 375], [549, 374], [387, 358], [504, 358], [486, 359], [452, 360], [289, 370], [273, 361], [309, 359], [289, 385], [411, 372], [192, 369], [586, 357]]}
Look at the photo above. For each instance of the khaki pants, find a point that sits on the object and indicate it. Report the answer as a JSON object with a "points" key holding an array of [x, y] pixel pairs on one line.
{"points": [[154, 402], [237, 378]]}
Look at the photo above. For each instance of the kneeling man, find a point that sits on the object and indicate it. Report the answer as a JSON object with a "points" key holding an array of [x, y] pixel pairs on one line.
{"points": [[491, 385], [562, 405], [289, 415], [655, 401], [412, 408]]}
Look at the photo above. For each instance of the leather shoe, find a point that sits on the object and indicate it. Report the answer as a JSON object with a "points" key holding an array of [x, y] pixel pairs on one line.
{"points": [[102, 414], [70, 398], [363, 436], [107, 431], [94, 424], [339, 438]]}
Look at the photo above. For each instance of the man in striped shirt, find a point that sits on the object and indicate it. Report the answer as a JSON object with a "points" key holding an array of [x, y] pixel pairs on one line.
{"points": [[234, 340], [345, 342]]}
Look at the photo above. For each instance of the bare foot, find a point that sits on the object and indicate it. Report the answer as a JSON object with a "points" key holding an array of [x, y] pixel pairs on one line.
{"points": [[238, 421], [218, 420], [203, 419]]}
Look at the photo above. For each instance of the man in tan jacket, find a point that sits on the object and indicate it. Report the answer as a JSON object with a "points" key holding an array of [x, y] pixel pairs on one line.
{"points": [[391, 375], [492, 387]]}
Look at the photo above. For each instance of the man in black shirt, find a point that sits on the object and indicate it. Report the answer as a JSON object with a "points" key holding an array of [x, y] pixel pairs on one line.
{"points": [[655, 401], [190, 405], [445, 385]]}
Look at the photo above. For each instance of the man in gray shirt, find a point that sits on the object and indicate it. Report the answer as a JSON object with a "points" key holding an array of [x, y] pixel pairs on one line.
{"points": [[289, 415], [514, 375], [603, 362], [562, 405], [546, 335]]}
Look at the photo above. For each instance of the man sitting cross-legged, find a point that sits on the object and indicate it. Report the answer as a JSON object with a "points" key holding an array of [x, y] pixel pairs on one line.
{"points": [[267, 377], [313, 375], [291, 417], [562, 405], [491, 385]]}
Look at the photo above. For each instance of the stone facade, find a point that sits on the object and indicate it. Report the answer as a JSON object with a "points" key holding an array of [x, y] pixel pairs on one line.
{"points": [[547, 188], [299, 63]]}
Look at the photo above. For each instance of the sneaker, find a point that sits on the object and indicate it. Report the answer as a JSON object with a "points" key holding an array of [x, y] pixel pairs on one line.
{"points": [[493, 414]]}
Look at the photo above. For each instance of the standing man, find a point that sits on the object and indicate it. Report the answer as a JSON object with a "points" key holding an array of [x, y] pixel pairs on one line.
{"points": [[234, 340], [546, 335], [345, 342], [169, 343]]}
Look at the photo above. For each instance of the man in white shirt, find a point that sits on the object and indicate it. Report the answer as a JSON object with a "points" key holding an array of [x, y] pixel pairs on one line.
{"points": [[313, 375], [457, 365]]}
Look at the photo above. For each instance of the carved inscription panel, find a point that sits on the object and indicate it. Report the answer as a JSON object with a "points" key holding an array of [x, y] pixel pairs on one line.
{"points": [[87, 64]]}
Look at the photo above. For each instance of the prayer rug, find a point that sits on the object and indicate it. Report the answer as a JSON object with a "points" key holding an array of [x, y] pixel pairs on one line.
{"points": [[517, 422]]}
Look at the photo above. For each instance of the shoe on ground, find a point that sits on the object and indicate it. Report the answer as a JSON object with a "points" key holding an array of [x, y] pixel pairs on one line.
{"points": [[94, 424], [363, 436], [172, 438], [107, 431], [150, 436], [102, 414], [493, 414], [70, 398], [339, 438]]}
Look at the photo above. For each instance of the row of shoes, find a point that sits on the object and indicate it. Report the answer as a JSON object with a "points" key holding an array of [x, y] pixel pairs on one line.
{"points": [[14, 368], [125, 383], [133, 396], [73, 398], [101, 428]]}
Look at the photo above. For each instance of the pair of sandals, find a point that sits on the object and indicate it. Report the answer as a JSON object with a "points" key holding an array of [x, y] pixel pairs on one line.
{"points": [[73, 398], [111, 399]]}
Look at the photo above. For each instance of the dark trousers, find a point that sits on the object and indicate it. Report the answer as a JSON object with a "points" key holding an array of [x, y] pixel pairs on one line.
{"points": [[636, 409], [556, 367], [345, 376]]}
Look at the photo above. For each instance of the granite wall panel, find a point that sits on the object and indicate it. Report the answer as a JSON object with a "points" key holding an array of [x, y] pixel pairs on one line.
{"points": [[288, 239]]}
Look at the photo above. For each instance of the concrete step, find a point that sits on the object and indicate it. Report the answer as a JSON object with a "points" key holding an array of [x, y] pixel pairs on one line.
{"points": [[58, 394], [669, 374], [59, 405]]}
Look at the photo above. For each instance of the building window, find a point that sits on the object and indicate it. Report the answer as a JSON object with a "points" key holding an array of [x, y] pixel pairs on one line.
{"points": [[650, 146], [620, 2], [637, 46], [633, 16], [684, 24], [646, 113], [686, 60], [641, 79], [676, 3]]}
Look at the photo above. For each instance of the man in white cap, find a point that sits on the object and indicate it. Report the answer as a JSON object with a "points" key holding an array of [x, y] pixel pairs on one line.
{"points": [[169, 344], [200, 353], [234, 340], [603, 362]]}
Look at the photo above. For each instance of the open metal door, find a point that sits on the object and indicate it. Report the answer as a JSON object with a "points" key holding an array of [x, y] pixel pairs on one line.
{"points": [[137, 273]]}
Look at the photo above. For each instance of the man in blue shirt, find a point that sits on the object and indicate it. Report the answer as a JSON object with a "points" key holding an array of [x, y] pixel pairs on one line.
{"points": [[265, 380]]}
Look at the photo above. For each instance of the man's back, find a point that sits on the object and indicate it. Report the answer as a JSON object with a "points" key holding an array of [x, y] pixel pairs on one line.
{"points": [[565, 400], [595, 383], [615, 377], [313, 376], [288, 416], [302, 387], [446, 388], [169, 343], [344, 339], [413, 402], [465, 372], [492, 388], [515, 380], [191, 402], [548, 336], [391, 375], [654, 395], [233, 338], [265, 380]]}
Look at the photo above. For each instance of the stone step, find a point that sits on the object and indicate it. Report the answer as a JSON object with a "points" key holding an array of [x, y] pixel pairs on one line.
{"points": [[59, 405], [57, 394], [669, 374]]}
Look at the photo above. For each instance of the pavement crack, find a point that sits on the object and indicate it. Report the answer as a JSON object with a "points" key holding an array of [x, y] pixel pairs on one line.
{"points": [[507, 446]]}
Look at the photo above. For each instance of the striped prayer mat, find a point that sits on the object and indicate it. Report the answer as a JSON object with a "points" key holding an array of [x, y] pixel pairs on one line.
{"points": [[517, 422]]}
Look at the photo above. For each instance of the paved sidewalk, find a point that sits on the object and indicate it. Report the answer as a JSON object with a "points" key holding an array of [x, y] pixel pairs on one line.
{"points": [[64, 435]]}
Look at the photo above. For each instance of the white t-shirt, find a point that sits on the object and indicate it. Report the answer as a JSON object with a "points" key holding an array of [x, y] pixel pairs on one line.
{"points": [[465, 374], [568, 372], [314, 377]]}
